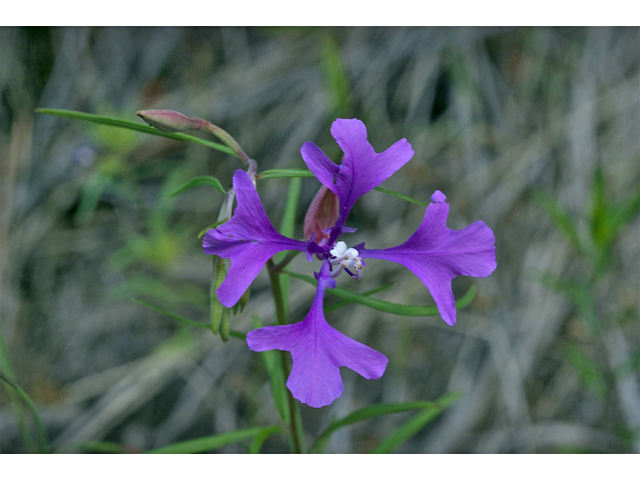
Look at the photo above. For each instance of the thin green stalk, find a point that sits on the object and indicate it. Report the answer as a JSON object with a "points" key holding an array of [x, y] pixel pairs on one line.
{"points": [[42, 434], [294, 410], [18, 408], [279, 267]]}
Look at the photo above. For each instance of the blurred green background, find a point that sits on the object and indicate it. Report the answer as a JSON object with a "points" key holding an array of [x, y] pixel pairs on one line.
{"points": [[535, 131]]}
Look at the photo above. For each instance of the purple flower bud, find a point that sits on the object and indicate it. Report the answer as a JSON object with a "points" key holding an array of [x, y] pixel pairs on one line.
{"points": [[322, 215], [170, 121]]}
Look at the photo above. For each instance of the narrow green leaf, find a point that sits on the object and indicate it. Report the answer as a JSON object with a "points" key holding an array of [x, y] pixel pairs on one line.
{"points": [[626, 212], [366, 413], [212, 442], [96, 447], [404, 197], [91, 194], [336, 75], [42, 433], [559, 216], [414, 424], [577, 291], [116, 122], [284, 173], [17, 404], [599, 209], [588, 372], [344, 303], [290, 209], [200, 182], [186, 321], [259, 439], [383, 306]]}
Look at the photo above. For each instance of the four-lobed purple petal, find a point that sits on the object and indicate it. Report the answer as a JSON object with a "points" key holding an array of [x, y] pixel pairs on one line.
{"points": [[361, 170], [436, 254], [318, 351], [248, 239]]}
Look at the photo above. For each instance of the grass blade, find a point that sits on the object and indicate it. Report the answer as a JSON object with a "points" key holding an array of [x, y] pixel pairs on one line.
{"points": [[42, 433], [414, 424], [212, 442], [186, 321], [259, 439], [365, 413], [588, 371], [560, 217]]}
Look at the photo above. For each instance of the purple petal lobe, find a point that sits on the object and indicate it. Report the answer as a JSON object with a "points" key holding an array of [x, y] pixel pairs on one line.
{"points": [[438, 197], [318, 352], [437, 254], [361, 170], [248, 239], [321, 165]]}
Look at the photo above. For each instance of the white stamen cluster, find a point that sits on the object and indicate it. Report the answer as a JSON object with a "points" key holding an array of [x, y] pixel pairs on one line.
{"points": [[343, 257]]}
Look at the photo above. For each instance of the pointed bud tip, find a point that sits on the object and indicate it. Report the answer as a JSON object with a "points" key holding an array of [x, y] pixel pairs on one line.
{"points": [[170, 120]]}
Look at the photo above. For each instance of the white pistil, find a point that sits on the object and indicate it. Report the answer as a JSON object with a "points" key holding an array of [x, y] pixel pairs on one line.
{"points": [[346, 258]]}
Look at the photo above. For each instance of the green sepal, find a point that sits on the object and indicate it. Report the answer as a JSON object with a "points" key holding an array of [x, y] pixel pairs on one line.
{"points": [[216, 309], [225, 324], [244, 299]]}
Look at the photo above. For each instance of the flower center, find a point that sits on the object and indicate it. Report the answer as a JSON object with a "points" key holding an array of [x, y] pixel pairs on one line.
{"points": [[343, 258]]}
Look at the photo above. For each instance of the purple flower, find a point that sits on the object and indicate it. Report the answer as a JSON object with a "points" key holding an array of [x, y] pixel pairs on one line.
{"points": [[434, 253]]}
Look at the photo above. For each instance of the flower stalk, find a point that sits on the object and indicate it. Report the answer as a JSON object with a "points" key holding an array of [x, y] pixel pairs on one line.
{"points": [[295, 427]]}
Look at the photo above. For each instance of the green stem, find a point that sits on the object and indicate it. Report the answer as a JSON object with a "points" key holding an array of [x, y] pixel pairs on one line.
{"points": [[281, 319], [279, 267], [227, 140], [42, 434]]}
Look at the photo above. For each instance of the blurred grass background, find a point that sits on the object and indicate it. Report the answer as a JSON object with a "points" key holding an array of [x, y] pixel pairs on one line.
{"points": [[535, 131]]}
